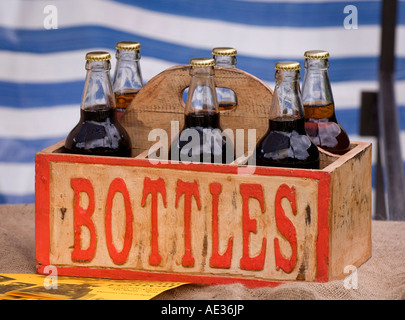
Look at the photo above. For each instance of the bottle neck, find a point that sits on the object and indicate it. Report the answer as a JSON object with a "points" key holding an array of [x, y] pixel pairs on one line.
{"points": [[128, 75], [316, 88], [225, 61], [287, 101], [201, 96], [97, 93]]}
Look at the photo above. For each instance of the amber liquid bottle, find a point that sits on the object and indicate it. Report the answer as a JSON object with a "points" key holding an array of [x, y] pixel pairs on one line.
{"points": [[225, 57], [286, 143], [123, 99], [128, 76], [98, 131], [319, 108], [202, 139]]}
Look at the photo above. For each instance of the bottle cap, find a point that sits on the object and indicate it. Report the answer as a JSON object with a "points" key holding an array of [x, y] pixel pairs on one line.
{"points": [[98, 56], [288, 65], [316, 54], [202, 62], [128, 45], [224, 51]]}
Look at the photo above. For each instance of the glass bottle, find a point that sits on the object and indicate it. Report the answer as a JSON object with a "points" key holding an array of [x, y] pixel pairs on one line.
{"points": [[98, 131], [202, 139], [225, 57], [286, 143], [128, 76], [319, 108]]}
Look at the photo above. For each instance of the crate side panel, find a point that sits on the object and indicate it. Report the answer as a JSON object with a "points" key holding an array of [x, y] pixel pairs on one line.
{"points": [[350, 218], [259, 219]]}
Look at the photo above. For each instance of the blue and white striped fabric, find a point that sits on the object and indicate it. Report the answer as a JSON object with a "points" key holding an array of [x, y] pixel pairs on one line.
{"points": [[42, 69]]}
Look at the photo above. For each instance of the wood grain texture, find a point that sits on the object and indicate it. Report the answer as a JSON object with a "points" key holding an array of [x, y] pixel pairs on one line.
{"points": [[350, 233], [161, 101], [146, 222]]}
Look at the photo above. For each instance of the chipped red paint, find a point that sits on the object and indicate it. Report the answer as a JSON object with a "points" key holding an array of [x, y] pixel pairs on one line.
{"points": [[286, 227], [153, 187], [118, 185], [218, 260]]}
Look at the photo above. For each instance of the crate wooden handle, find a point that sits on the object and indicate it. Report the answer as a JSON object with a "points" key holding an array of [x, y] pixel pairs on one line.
{"points": [[160, 101]]}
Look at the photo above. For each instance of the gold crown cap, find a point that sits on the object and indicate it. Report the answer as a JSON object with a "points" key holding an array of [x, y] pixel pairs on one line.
{"points": [[98, 56], [316, 54], [202, 62], [288, 65], [224, 51], [128, 45]]}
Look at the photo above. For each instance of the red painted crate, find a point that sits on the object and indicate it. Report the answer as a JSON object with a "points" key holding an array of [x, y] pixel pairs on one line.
{"points": [[131, 218]]}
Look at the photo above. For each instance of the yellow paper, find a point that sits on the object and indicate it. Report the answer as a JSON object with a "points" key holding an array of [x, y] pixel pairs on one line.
{"points": [[35, 286]]}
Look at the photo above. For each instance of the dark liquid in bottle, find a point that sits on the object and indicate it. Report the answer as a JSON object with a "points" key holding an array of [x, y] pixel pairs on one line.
{"points": [[321, 125], [99, 133], [201, 140], [123, 100], [287, 145]]}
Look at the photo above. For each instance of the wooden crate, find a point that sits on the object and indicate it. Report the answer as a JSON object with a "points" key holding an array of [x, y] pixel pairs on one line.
{"points": [[133, 218]]}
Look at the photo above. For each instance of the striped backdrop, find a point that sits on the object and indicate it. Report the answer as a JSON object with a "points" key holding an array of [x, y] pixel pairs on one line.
{"points": [[42, 70]]}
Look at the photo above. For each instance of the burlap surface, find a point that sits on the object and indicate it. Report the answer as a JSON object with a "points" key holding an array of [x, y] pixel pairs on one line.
{"points": [[381, 277]]}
